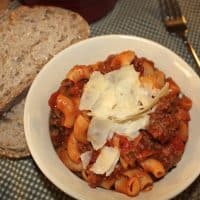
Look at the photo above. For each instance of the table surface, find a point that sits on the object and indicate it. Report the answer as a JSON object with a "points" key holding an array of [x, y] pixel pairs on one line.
{"points": [[21, 179]]}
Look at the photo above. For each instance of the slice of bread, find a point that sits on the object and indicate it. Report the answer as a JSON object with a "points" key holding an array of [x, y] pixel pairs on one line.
{"points": [[12, 141], [29, 37]]}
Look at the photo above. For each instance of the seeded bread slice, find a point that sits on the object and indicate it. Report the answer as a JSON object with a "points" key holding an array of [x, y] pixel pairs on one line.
{"points": [[12, 139], [29, 38]]}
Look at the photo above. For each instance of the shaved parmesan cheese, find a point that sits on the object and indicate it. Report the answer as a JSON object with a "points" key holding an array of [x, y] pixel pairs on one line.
{"points": [[101, 130], [106, 161], [117, 94], [162, 92], [105, 103], [130, 128], [118, 103], [124, 74], [85, 158], [90, 96], [98, 132]]}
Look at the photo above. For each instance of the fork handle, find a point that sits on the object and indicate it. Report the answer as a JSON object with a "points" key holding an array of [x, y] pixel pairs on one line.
{"points": [[192, 51]]}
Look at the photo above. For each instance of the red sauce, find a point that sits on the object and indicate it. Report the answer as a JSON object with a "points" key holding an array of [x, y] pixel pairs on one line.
{"points": [[91, 10], [125, 144], [185, 103], [77, 89], [145, 146], [138, 65], [52, 100], [94, 156]]}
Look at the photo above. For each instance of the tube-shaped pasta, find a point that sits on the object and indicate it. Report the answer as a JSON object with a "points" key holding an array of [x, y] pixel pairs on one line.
{"points": [[148, 67], [153, 166], [108, 182], [132, 172], [155, 80], [183, 131], [76, 101], [95, 67], [159, 79], [66, 106], [79, 72], [63, 154], [146, 182], [80, 128], [123, 163], [122, 59], [147, 81], [129, 186], [72, 149]]}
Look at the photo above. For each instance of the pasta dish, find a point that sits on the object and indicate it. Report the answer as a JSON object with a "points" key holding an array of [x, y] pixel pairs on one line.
{"points": [[119, 124]]}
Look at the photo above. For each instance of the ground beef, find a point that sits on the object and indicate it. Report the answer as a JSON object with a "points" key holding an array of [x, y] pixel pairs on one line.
{"points": [[145, 146], [58, 135], [163, 126], [71, 89], [84, 147], [163, 123], [171, 153], [55, 118], [161, 139], [57, 131], [138, 65], [168, 154], [167, 104], [105, 67]]}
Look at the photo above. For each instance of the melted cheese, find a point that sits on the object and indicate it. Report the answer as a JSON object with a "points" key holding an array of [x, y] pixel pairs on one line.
{"points": [[106, 161]]}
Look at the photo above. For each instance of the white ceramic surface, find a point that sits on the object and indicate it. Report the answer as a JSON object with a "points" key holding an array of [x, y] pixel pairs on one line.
{"points": [[36, 115]]}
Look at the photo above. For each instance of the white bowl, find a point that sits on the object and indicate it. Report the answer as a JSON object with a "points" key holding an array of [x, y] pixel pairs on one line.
{"points": [[89, 51]]}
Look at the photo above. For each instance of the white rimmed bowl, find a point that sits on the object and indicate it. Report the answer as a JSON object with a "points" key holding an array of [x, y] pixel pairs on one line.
{"points": [[36, 115]]}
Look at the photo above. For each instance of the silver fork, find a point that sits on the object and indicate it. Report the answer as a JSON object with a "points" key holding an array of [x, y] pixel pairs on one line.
{"points": [[176, 23]]}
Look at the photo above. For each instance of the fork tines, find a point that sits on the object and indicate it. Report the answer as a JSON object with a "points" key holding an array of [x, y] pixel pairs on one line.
{"points": [[172, 15], [176, 23], [170, 9]]}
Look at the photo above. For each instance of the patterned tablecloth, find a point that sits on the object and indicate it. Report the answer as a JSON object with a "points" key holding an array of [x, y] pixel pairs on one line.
{"points": [[21, 179]]}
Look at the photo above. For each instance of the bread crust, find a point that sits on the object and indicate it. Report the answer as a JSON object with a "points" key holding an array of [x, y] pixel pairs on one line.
{"points": [[13, 153]]}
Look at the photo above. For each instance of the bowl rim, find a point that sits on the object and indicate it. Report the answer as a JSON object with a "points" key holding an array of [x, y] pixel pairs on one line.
{"points": [[36, 157]]}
